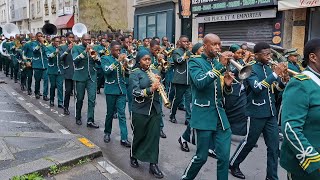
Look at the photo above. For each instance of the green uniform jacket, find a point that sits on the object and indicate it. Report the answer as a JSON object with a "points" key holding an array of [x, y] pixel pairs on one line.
{"points": [[181, 70], [54, 61], [114, 76], [207, 93], [101, 50], [294, 67], [84, 65], [301, 125], [143, 98], [27, 52], [261, 85], [67, 61], [12, 52], [39, 60]]}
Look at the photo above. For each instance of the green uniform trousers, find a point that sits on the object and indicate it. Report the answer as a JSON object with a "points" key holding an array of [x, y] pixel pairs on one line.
{"points": [[91, 87], [117, 102], [56, 82], [269, 128], [28, 72], [38, 75], [203, 140], [7, 64], [313, 176], [180, 91], [189, 136]]}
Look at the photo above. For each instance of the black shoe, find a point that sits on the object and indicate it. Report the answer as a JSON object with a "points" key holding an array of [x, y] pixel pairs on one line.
{"points": [[71, 94], [125, 143], [15, 81], [106, 138], [40, 94], [186, 122], [155, 171], [66, 111], [256, 145], [162, 134], [30, 93], [115, 116], [183, 145], [37, 96], [92, 125], [60, 106], [236, 172], [23, 88], [212, 154], [51, 104], [78, 122], [173, 120], [11, 77], [45, 98], [134, 162], [98, 91]]}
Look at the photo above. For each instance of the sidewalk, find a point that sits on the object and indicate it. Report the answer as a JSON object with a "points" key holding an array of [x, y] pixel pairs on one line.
{"points": [[31, 141]]}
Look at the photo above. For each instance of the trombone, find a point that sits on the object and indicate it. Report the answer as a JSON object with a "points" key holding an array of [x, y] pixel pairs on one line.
{"points": [[283, 59]]}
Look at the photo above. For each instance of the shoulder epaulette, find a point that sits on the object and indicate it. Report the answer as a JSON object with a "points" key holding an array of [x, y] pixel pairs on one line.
{"points": [[252, 62], [301, 77], [195, 56]]}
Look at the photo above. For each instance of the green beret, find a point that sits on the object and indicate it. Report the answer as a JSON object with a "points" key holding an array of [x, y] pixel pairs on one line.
{"points": [[141, 54], [196, 47], [234, 47], [290, 52]]}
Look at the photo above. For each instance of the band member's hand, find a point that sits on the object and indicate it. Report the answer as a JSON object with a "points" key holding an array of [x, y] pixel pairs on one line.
{"points": [[225, 57], [228, 78], [88, 48], [70, 46], [247, 54], [279, 69], [160, 56], [155, 86], [122, 57]]}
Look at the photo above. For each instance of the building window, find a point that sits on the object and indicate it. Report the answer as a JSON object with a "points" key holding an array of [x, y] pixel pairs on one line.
{"points": [[53, 7], [32, 11], [152, 25], [46, 8], [38, 7]]}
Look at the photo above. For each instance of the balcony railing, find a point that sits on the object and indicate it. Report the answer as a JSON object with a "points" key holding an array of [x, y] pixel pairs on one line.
{"points": [[151, 2]]}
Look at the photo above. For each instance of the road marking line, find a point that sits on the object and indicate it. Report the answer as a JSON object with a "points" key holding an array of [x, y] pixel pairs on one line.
{"points": [[61, 115], [38, 111], [17, 122], [64, 131], [8, 111], [14, 93], [29, 105], [21, 98], [107, 167], [86, 142]]}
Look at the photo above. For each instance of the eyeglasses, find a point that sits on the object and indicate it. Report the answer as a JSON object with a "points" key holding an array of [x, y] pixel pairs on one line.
{"points": [[266, 54]]}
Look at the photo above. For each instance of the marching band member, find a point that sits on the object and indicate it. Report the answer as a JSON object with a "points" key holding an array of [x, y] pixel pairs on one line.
{"points": [[146, 115], [262, 112], [181, 79], [235, 103], [55, 71], [115, 91], [101, 49], [68, 70], [208, 117], [85, 77], [300, 119], [292, 58], [27, 55], [40, 65]]}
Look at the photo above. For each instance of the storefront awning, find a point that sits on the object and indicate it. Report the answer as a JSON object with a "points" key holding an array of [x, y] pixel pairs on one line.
{"points": [[66, 21], [295, 4]]}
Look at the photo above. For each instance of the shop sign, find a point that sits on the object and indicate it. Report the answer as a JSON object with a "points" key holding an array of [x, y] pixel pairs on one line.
{"points": [[204, 6], [271, 13], [295, 4]]}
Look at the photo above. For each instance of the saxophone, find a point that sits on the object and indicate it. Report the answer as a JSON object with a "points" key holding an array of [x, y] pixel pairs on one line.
{"points": [[161, 90]]}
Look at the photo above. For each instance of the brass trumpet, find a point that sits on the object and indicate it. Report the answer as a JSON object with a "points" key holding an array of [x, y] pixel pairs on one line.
{"points": [[161, 88], [244, 71], [164, 64], [291, 72], [128, 63]]}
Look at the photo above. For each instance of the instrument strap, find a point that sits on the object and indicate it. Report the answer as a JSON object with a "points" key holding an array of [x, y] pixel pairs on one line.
{"points": [[312, 76]]}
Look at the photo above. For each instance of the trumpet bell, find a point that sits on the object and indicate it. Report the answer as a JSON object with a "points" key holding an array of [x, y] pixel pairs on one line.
{"points": [[245, 72], [79, 29], [10, 29], [131, 63]]}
